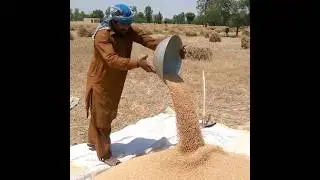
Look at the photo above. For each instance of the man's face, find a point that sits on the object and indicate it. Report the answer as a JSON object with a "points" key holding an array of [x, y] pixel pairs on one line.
{"points": [[121, 28]]}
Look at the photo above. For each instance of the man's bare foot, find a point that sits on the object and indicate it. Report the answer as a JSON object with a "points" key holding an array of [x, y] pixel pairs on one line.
{"points": [[111, 161]]}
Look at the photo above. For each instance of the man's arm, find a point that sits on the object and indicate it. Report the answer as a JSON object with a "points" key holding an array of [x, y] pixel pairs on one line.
{"points": [[103, 45], [139, 36]]}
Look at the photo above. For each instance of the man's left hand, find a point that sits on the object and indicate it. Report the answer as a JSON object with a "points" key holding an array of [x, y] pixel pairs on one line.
{"points": [[183, 52]]}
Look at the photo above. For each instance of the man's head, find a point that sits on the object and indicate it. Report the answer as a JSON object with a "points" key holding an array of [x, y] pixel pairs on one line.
{"points": [[121, 18]]}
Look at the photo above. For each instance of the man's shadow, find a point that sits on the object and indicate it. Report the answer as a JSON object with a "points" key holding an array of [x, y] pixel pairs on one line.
{"points": [[138, 146]]}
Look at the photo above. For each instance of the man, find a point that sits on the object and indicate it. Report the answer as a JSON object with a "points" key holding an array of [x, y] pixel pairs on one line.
{"points": [[113, 40], [227, 31]]}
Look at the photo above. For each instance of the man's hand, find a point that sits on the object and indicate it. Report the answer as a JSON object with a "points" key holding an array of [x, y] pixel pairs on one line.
{"points": [[183, 52], [143, 63]]}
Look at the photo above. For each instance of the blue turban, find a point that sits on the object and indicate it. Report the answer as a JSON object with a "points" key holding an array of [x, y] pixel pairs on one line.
{"points": [[119, 12]]}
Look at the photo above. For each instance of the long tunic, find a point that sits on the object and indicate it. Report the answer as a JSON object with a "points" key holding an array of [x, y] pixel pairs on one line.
{"points": [[105, 80]]}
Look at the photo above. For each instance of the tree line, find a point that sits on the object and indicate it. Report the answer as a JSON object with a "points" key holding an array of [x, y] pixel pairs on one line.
{"points": [[233, 13]]}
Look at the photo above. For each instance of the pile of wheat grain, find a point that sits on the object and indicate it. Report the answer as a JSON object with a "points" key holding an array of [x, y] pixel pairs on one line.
{"points": [[214, 37], [84, 32], [198, 53], [190, 158], [245, 42]]}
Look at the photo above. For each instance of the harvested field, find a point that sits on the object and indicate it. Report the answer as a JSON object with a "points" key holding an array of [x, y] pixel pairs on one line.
{"points": [[190, 158], [144, 95]]}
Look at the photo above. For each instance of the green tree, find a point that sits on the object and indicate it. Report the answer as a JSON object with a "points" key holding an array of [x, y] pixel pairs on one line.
{"points": [[239, 16], [71, 15], [190, 17], [215, 11], [244, 4], [82, 15], [213, 15], [134, 9], [97, 14], [226, 8], [140, 18], [148, 14], [108, 12], [179, 19], [202, 6], [76, 15], [158, 18], [168, 21]]}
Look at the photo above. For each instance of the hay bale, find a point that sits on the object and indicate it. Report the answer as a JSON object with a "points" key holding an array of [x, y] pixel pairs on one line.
{"points": [[207, 35], [198, 53], [71, 36], [245, 32], [245, 42], [215, 37], [218, 30], [83, 32], [191, 33]]}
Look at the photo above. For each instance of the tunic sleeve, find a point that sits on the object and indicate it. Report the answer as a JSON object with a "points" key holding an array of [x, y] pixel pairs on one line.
{"points": [[139, 36], [103, 45]]}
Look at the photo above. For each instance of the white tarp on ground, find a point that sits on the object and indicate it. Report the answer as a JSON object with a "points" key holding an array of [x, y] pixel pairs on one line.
{"points": [[151, 135]]}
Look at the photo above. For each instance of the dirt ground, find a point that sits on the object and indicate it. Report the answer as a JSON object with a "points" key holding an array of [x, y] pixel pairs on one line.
{"points": [[145, 94]]}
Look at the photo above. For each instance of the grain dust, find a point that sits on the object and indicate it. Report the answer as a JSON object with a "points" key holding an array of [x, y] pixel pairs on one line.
{"points": [[190, 159]]}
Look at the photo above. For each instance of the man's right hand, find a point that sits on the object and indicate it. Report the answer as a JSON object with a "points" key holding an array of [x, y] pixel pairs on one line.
{"points": [[143, 63]]}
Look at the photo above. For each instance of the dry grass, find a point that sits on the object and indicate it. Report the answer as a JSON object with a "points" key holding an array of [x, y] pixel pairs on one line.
{"points": [[75, 25], [245, 42], [71, 36], [246, 32], [191, 33], [84, 32], [198, 53], [157, 31], [215, 37], [144, 94]]}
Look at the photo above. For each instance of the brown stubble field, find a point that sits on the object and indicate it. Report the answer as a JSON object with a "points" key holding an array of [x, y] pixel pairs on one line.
{"points": [[227, 75]]}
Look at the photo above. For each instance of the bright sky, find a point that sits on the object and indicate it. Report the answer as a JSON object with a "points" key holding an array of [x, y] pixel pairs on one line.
{"points": [[167, 7]]}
